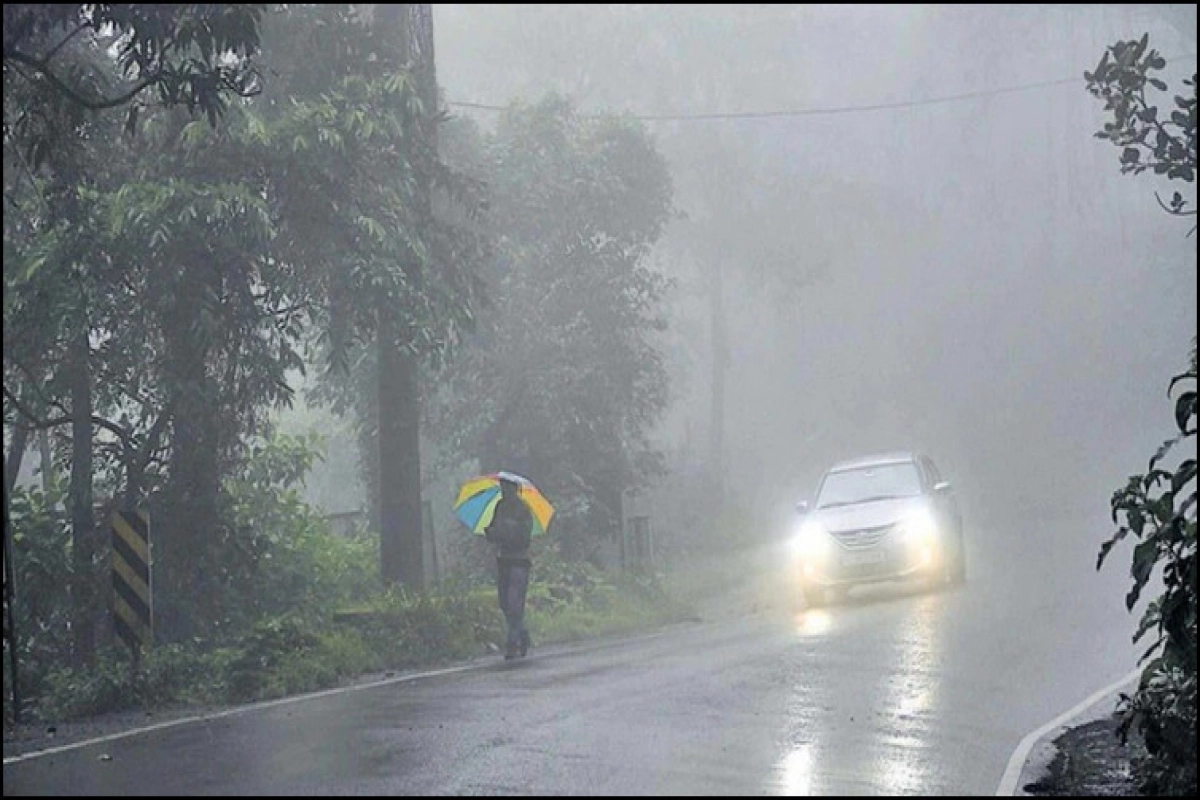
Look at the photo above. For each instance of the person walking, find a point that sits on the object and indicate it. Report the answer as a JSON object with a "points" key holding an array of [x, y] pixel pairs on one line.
{"points": [[510, 530]]}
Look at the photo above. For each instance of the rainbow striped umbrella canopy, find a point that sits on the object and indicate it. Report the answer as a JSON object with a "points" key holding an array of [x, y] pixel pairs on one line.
{"points": [[477, 500]]}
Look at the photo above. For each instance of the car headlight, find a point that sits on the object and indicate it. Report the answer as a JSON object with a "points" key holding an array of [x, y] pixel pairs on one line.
{"points": [[811, 540], [920, 527]]}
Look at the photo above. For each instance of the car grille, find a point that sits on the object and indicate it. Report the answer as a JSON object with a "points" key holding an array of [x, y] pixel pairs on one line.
{"points": [[862, 538]]}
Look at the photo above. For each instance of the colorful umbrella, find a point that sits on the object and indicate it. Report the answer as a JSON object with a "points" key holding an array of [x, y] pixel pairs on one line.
{"points": [[477, 500]]}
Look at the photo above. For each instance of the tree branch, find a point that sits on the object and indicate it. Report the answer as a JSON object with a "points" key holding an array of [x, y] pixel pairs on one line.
{"points": [[150, 445], [124, 434], [35, 385], [39, 423], [1180, 212], [35, 422], [54, 50], [71, 94]]}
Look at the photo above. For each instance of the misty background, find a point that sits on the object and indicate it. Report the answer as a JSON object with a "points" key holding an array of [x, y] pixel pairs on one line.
{"points": [[921, 243], [971, 276], [884, 228]]}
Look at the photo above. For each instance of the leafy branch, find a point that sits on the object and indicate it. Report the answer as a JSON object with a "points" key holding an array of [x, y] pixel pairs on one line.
{"points": [[1165, 145]]}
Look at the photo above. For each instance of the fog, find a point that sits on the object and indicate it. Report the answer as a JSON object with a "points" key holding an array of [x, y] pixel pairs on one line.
{"points": [[573, 359], [963, 270]]}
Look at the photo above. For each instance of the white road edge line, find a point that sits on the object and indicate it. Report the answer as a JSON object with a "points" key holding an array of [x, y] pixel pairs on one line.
{"points": [[239, 710], [285, 700], [1012, 773]]}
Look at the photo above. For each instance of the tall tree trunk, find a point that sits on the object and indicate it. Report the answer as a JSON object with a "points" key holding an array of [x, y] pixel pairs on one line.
{"points": [[401, 528], [11, 635], [47, 459], [367, 433], [83, 522], [187, 524], [410, 27], [16, 454], [12, 467]]}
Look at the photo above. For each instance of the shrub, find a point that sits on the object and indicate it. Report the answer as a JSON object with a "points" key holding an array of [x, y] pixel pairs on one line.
{"points": [[1159, 508]]}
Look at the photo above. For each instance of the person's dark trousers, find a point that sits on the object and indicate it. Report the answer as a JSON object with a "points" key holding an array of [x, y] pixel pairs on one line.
{"points": [[512, 583]]}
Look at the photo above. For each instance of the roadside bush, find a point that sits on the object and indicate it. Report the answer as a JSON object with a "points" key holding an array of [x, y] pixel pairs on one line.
{"points": [[1159, 509], [302, 611], [1165, 709], [284, 657], [570, 600], [408, 629], [174, 673], [68, 693], [168, 674], [284, 559], [262, 658], [283, 563], [41, 542]]}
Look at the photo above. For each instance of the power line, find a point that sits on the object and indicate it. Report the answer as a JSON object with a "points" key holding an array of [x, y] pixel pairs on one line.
{"points": [[812, 112]]}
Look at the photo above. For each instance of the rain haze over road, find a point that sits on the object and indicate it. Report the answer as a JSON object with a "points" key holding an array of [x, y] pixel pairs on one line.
{"points": [[966, 275], [893, 230]]}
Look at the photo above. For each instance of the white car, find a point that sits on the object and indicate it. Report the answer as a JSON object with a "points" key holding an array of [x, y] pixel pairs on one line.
{"points": [[887, 517]]}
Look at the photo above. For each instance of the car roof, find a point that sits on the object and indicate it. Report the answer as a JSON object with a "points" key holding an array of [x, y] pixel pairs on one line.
{"points": [[874, 461]]}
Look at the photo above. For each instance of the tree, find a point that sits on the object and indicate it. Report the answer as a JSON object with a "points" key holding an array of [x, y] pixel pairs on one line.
{"points": [[401, 531], [1159, 507], [724, 175], [60, 63], [564, 380], [389, 232], [48, 323], [57, 60], [1167, 144], [161, 287], [166, 269]]}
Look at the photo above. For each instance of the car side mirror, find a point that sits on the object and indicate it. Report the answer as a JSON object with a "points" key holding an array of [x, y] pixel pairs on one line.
{"points": [[941, 487]]}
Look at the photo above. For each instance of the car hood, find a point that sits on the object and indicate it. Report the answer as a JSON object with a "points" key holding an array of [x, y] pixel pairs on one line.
{"points": [[868, 515]]}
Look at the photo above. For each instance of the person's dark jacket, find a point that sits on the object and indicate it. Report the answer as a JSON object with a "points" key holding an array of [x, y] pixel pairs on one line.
{"points": [[510, 530]]}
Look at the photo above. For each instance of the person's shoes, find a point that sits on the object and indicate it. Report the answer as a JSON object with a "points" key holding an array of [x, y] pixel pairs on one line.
{"points": [[524, 643]]}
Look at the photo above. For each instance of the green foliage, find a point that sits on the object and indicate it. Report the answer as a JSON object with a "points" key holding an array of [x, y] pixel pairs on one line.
{"points": [[291, 653], [280, 656], [264, 666], [279, 564], [566, 354], [59, 61], [1159, 509], [413, 628], [1164, 709], [200, 260], [571, 599], [345, 166], [41, 544], [387, 231], [71, 693], [1166, 143], [281, 556], [179, 674]]}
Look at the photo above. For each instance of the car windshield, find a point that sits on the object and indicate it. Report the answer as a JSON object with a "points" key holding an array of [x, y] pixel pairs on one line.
{"points": [[865, 484]]}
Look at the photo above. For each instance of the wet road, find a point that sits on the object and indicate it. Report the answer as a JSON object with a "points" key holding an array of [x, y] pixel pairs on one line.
{"points": [[895, 692]]}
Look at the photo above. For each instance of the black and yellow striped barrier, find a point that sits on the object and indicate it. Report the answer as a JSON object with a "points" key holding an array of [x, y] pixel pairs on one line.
{"points": [[132, 606]]}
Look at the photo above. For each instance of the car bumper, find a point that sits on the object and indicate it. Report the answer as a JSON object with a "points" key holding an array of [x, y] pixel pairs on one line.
{"points": [[843, 567]]}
